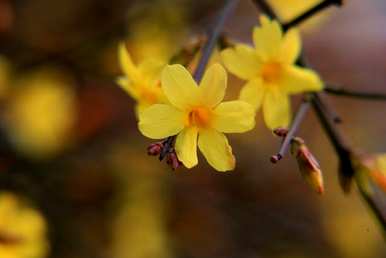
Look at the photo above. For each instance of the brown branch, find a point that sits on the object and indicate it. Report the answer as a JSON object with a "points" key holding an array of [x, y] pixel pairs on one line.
{"points": [[311, 12], [340, 91]]}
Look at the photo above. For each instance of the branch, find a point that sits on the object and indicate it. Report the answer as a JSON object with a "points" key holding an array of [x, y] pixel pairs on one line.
{"points": [[340, 91], [311, 12], [213, 37], [302, 111]]}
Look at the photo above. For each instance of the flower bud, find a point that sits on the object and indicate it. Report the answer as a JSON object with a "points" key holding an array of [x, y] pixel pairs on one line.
{"points": [[172, 160], [308, 166], [370, 172], [154, 149], [281, 132]]}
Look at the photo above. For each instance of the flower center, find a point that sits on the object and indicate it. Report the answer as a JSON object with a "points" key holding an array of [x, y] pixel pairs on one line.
{"points": [[149, 96], [271, 72], [199, 116]]}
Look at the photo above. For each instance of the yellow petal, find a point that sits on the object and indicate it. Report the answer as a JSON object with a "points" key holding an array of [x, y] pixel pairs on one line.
{"points": [[179, 87], [291, 46], [296, 80], [213, 85], [381, 163], [276, 109], [253, 93], [242, 61], [151, 70], [127, 86], [127, 64], [234, 117], [215, 148], [186, 146], [267, 38], [160, 121]]}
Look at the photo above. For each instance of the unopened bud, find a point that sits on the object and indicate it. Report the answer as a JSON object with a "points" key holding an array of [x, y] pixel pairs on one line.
{"points": [[154, 149], [281, 131], [172, 160], [308, 166], [370, 172]]}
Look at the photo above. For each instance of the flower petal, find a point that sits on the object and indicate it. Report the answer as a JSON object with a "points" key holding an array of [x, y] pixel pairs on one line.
{"points": [[179, 86], [214, 146], [127, 86], [253, 93], [241, 61], [213, 85], [234, 117], [276, 109], [267, 37], [291, 47], [186, 146], [127, 64], [151, 70], [296, 79], [160, 121]]}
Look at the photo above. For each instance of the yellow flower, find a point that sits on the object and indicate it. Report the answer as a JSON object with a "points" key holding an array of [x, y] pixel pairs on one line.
{"points": [[270, 71], [197, 115], [22, 229], [141, 82]]}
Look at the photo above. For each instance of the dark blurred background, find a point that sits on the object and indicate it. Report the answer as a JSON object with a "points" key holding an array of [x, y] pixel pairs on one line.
{"points": [[70, 145]]}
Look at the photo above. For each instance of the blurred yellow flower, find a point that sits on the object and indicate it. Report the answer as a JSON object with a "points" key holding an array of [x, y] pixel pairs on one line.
{"points": [[270, 71], [157, 29], [40, 113], [22, 229], [197, 116], [141, 82], [371, 169], [290, 9]]}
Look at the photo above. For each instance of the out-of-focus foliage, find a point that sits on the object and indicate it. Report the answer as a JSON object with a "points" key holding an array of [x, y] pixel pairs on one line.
{"points": [[22, 229]]}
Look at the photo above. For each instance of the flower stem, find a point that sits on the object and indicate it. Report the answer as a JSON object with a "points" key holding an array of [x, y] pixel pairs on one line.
{"points": [[213, 37], [355, 94], [302, 111], [311, 12]]}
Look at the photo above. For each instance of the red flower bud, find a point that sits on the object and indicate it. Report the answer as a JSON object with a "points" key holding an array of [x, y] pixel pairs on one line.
{"points": [[281, 132], [308, 165], [154, 149], [172, 160]]}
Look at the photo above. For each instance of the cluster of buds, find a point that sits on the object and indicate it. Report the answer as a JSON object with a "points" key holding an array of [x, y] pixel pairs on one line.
{"points": [[164, 150]]}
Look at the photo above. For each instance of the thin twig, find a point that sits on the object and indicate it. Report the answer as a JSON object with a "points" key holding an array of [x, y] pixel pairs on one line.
{"points": [[311, 12], [340, 91], [213, 38], [302, 111]]}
